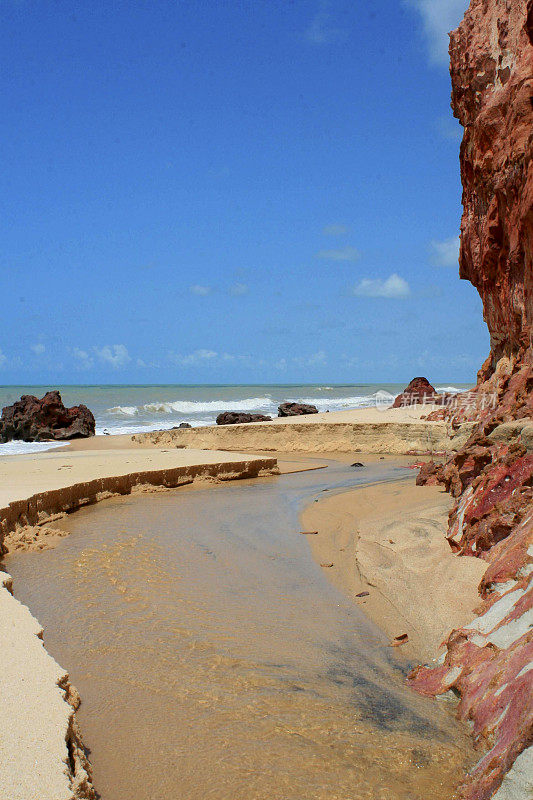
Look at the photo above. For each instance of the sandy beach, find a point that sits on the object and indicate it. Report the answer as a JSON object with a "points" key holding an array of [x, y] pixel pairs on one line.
{"points": [[355, 529], [367, 430], [126, 567]]}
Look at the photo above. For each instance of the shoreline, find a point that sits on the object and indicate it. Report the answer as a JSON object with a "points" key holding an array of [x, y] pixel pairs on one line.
{"points": [[387, 539]]}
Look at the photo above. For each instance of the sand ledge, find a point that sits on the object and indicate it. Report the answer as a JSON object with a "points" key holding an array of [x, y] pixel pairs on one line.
{"points": [[41, 750]]}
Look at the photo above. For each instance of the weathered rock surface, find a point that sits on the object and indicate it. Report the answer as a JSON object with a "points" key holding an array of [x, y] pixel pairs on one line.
{"points": [[296, 409], [489, 661], [238, 417], [34, 420], [419, 391]]}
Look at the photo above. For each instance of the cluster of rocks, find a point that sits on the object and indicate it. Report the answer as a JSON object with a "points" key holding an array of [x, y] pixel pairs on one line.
{"points": [[31, 419], [284, 410]]}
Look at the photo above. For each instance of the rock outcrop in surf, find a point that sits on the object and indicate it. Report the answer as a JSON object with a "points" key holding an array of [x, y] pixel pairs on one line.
{"points": [[32, 420]]}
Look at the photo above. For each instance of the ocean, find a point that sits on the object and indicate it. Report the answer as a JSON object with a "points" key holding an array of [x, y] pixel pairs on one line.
{"points": [[137, 408]]}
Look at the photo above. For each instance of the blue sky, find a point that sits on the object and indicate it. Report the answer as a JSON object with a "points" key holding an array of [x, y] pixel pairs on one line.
{"points": [[231, 191]]}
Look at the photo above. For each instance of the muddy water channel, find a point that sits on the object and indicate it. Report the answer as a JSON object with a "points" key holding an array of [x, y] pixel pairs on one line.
{"points": [[215, 660]]}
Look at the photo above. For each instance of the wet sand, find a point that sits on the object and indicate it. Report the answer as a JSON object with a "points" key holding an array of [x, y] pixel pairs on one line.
{"points": [[215, 658]]}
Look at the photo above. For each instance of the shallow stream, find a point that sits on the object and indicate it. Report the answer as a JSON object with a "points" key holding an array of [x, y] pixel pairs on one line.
{"points": [[215, 660]]}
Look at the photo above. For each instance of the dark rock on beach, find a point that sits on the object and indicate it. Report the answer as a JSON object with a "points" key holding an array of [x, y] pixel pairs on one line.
{"points": [[295, 409], [238, 417], [34, 420], [419, 391]]}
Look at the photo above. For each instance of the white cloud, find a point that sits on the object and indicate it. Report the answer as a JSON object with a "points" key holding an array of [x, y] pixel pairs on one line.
{"points": [[322, 28], [201, 291], [238, 289], [38, 349], [114, 354], [335, 230], [445, 253], [393, 287], [439, 17], [197, 357], [82, 356], [343, 254], [3, 359]]}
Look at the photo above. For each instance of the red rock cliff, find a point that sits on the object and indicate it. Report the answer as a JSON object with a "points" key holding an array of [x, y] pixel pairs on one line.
{"points": [[488, 661], [492, 96]]}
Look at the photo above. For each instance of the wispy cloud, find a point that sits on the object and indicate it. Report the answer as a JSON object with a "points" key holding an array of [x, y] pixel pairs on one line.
{"points": [[323, 28], [335, 230], [190, 359], [439, 17], [445, 253], [199, 290], [317, 358], [238, 289], [342, 254], [114, 354], [392, 287], [38, 348], [83, 358]]}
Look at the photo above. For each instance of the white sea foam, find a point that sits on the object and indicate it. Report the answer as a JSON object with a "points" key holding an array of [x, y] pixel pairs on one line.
{"points": [[18, 448], [449, 389], [337, 403], [193, 407], [166, 425]]}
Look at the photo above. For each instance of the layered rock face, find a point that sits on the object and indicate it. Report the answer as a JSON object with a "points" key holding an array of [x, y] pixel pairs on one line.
{"points": [[489, 661], [492, 89], [34, 420]]}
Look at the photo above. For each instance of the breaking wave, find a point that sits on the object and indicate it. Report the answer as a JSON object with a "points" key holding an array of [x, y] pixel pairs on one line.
{"points": [[193, 407]]}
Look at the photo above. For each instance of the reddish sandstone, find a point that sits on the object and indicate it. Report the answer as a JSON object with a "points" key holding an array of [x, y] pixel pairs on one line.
{"points": [[418, 391], [492, 91]]}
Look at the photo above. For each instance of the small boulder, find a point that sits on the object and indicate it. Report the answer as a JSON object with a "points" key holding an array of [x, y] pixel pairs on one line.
{"points": [[419, 391], [238, 417], [295, 409], [34, 420]]}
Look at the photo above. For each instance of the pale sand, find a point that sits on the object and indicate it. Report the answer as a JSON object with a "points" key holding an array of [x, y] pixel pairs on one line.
{"points": [[40, 750], [35, 488], [416, 585], [389, 540], [367, 430]]}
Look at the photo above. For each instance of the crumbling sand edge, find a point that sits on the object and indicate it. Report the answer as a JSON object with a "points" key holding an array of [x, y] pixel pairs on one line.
{"points": [[395, 438], [42, 508], [41, 748]]}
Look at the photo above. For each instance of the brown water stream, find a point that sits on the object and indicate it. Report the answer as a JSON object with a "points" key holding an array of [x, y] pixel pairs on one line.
{"points": [[215, 660]]}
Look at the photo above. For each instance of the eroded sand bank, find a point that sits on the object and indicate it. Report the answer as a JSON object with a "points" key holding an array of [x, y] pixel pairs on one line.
{"points": [[41, 753], [368, 430], [202, 613], [67, 479]]}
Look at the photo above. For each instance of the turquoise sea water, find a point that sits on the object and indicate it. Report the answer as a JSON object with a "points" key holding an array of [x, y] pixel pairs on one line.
{"points": [[133, 409]]}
